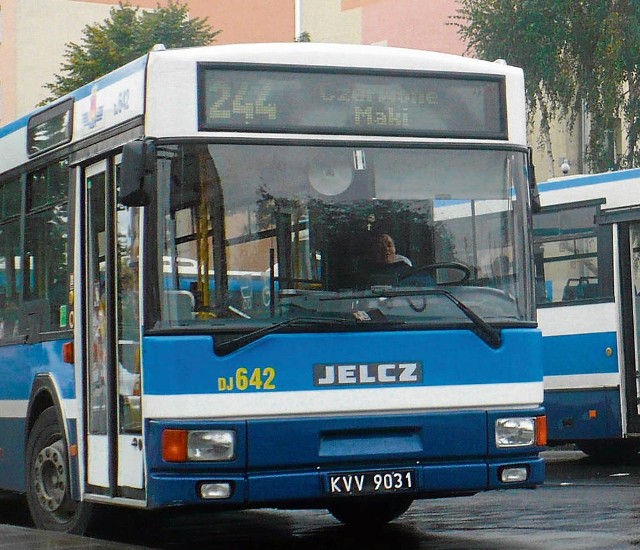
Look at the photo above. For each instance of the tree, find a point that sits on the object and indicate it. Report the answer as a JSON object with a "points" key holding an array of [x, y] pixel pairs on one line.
{"points": [[126, 35], [576, 54]]}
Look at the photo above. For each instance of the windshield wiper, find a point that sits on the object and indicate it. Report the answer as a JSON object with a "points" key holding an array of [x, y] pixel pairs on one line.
{"points": [[490, 335], [236, 343]]}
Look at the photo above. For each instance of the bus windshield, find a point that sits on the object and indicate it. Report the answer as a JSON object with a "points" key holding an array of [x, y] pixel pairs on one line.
{"points": [[256, 234]]}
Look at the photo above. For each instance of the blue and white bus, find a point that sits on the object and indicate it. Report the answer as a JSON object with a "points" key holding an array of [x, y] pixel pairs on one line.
{"points": [[587, 255], [194, 310]]}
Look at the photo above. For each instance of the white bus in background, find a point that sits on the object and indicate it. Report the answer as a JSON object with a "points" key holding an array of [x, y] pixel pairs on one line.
{"points": [[587, 257]]}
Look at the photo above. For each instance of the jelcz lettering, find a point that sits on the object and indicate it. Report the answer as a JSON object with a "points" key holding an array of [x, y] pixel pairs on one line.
{"points": [[361, 374]]}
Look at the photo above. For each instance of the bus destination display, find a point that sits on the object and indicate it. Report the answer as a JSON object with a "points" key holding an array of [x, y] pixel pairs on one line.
{"points": [[429, 104]]}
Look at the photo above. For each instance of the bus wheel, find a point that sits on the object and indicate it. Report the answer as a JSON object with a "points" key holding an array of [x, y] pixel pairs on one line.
{"points": [[48, 482], [368, 513]]}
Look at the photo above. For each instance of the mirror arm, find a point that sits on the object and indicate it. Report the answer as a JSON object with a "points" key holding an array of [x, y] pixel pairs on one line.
{"points": [[533, 185]]}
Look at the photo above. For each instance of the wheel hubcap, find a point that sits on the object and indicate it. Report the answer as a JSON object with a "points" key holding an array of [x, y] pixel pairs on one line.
{"points": [[50, 476]]}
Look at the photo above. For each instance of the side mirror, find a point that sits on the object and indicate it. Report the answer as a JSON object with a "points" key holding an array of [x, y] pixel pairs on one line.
{"points": [[533, 185], [138, 164]]}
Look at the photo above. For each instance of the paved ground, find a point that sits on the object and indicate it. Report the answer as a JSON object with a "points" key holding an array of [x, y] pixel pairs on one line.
{"points": [[589, 479], [22, 538]]}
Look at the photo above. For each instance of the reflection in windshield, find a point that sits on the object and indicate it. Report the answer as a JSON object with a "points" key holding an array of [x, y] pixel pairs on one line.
{"points": [[248, 234]]}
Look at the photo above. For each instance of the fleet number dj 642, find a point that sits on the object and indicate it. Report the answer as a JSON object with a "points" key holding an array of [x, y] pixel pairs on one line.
{"points": [[257, 379]]}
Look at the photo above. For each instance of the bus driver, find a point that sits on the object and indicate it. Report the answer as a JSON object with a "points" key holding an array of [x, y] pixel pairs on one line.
{"points": [[387, 263]]}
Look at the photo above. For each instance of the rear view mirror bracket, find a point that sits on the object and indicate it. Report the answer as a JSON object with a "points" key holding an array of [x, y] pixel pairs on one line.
{"points": [[533, 184]]}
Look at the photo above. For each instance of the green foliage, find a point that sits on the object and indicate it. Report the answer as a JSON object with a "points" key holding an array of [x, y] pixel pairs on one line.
{"points": [[126, 35], [574, 53]]}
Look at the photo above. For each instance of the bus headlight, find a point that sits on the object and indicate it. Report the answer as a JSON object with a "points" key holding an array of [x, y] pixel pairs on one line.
{"points": [[515, 432], [198, 445], [217, 445]]}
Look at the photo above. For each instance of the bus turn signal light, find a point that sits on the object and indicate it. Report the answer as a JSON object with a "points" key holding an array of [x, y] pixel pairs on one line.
{"points": [[67, 352], [541, 431], [174, 445]]}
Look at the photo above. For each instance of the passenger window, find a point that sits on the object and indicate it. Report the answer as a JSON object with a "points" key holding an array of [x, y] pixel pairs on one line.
{"points": [[48, 185], [569, 265], [9, 280], [46, 272]]}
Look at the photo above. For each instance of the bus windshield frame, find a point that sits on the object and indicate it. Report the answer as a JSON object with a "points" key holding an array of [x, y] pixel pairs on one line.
{"points": [[300, 223]]}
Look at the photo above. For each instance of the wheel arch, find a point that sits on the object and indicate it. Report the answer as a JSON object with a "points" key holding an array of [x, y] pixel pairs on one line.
{"points": [[44, 394]]}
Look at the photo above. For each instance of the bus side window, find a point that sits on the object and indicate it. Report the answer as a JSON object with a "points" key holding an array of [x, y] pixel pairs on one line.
{"points": [[8, 316], [35, 319], [573, 257], [46, 277], [10, 205]]}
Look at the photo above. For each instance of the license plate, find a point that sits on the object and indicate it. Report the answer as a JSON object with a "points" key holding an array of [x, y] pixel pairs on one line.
{"points": [[370, 483]]}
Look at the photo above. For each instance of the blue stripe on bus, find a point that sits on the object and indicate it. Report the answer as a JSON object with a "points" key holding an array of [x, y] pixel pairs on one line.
{"points": [[580, 354], [582, 180], [438, 203], [109, 79], [583, 414], [20, 364], [12, 461], [188, 365], [14, 126]]}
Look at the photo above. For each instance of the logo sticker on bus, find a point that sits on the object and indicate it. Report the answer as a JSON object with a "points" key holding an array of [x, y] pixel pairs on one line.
{"points": [[94, 117]]}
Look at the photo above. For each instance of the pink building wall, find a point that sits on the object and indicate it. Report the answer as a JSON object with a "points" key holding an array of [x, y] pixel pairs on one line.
{"points": [[8, 62], [239, 20], [422, 24], [412, 24]]}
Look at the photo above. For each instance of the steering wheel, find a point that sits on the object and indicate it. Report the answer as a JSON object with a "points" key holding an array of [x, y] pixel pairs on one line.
{"points": [[432, 268]]}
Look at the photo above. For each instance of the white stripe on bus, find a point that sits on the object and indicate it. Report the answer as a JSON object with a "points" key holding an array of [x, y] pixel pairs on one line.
{"points": [[579, 319], [17, 408], [582, 381], [339, 401]]}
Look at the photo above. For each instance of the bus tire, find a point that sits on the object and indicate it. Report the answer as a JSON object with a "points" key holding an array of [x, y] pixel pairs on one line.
{"points": [[47, 479], [369, 512]]}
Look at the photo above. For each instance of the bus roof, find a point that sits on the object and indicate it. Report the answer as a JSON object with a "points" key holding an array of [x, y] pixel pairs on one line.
{"points": [[617, 188], [339, 55], [580, 180], [88, 118]]}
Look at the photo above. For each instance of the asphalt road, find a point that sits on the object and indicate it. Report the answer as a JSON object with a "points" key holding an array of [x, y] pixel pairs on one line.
{"points": [[583, 505]]}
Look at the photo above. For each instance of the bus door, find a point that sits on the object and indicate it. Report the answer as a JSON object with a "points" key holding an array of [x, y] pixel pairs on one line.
{"points": [[629, 244], [115, 464]]}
